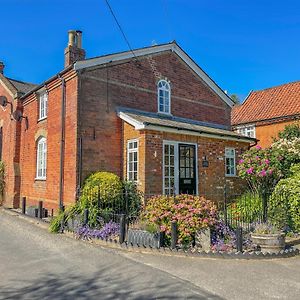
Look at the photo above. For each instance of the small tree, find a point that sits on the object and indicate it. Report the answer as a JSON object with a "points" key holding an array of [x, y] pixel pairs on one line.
{"points": [[290, 132], [235, 99], [259, 167], [288, 148]]}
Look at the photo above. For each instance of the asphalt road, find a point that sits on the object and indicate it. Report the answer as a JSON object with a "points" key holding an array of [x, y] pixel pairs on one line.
{"points": [[37, 265]]}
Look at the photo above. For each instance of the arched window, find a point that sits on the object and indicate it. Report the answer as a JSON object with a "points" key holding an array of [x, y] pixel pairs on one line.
{"points": [[164, 97], [41, 158]]}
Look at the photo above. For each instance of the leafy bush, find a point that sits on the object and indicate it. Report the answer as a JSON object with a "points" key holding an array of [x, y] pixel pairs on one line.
{"points": [[288, 153], [134, 199], [290, 132], [110, 188], [259, 167], [55, 224], [191, 213], [246, 208], [284, 204]]}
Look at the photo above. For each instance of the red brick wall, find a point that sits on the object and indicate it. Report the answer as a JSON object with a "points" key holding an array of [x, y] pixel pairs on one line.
{"points": [[134, 85], [48, 190], [98, 92], [10, 151], [211, 180]]}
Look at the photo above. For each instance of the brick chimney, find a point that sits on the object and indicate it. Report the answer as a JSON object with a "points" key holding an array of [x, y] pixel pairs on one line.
{"points": [[1, 67], [74, 51]]}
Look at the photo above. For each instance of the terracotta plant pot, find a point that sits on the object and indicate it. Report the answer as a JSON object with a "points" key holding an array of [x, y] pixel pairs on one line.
{"points": [[272, 243]]}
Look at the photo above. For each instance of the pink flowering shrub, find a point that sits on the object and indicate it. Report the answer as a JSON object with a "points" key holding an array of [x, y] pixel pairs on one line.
{"points": [[260, 168], [191, 213]]}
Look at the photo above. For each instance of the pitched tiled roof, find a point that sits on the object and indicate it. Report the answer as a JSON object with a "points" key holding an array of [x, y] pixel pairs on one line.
{"points": [[275, 102], [148, 120], [23, 87]]}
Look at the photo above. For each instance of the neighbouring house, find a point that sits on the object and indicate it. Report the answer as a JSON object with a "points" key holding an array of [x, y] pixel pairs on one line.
{"points": [[151, 115], [265, 113]]}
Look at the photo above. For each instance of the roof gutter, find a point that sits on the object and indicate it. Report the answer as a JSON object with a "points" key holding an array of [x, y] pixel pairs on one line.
{"points": [[57, 76], [293, 116], [200, 133]]}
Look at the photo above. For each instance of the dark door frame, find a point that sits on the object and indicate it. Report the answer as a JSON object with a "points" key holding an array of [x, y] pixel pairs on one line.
{"points": [[188, 183]]}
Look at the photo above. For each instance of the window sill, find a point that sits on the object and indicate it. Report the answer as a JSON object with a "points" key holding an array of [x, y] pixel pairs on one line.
{"points": [[40, 179], [42, 119], [164, 113], [231, 176]]}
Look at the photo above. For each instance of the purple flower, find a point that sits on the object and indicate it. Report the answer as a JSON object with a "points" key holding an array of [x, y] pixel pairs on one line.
{"points": [[241, 161], [258, 147], [250, 170], [267, 161], [109, 229], [263, 173]]}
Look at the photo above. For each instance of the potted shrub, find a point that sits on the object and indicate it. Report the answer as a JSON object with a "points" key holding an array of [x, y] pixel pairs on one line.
{"points": [[268, 238]]}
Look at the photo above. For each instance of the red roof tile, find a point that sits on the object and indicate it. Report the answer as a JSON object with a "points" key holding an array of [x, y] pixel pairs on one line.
{"points": [[279, 101]]}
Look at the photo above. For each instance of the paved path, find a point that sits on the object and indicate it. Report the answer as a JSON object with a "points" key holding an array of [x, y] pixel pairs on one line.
{"points": [[37, 265], [233, 279]]}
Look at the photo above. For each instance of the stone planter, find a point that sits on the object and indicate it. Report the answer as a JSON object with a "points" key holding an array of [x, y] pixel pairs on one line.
{"points": [[272, 243]]}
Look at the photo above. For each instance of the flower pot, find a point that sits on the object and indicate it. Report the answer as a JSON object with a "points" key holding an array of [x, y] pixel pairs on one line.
{"points": [[272, 243]]}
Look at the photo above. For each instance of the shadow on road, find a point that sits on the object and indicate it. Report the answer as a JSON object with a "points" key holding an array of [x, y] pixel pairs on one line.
{"points": [[101, 286]]}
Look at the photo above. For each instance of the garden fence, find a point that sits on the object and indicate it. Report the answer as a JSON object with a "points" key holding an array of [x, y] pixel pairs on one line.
{"points": [[238, 211]]}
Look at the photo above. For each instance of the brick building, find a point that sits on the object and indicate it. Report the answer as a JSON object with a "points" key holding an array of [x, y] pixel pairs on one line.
{"points": [[265, 113], [151, 115]]}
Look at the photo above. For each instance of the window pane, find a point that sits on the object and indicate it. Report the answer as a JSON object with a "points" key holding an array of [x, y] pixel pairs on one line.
{"points": [[132, 161], [172, 171], [167, 173], [167, 149], [172, 150], [167, 182]]}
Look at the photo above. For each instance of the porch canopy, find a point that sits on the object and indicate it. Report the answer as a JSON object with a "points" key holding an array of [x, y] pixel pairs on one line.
{"points": [[142, 120]]}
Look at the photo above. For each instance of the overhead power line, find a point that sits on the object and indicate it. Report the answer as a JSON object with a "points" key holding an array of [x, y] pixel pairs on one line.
{"points": [[120, 28]]}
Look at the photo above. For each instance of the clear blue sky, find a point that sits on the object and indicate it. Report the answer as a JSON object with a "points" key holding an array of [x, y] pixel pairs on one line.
{"points": [[242, 45]]}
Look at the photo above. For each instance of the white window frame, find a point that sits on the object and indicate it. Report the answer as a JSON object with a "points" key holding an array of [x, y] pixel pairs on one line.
{"points": [[248, 130], [166, 88], [43, 105], [230, 156], [133, 150], [176, 164], [41, 159]]}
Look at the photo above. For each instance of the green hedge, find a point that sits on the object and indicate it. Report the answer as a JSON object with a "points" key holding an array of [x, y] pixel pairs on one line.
{"points": [[284, 204]]}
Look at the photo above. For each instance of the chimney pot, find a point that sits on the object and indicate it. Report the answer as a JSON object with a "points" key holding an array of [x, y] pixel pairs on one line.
{"points": [[79, 38], [1, 67], [72, 37], [74, 51]]}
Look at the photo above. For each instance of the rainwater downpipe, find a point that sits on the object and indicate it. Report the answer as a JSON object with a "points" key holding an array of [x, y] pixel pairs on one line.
{"points": [[62, 143]]}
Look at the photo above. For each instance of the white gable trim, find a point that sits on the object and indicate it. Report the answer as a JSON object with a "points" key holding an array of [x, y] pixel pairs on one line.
{"points": [[152, 50], [137, 125]]}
